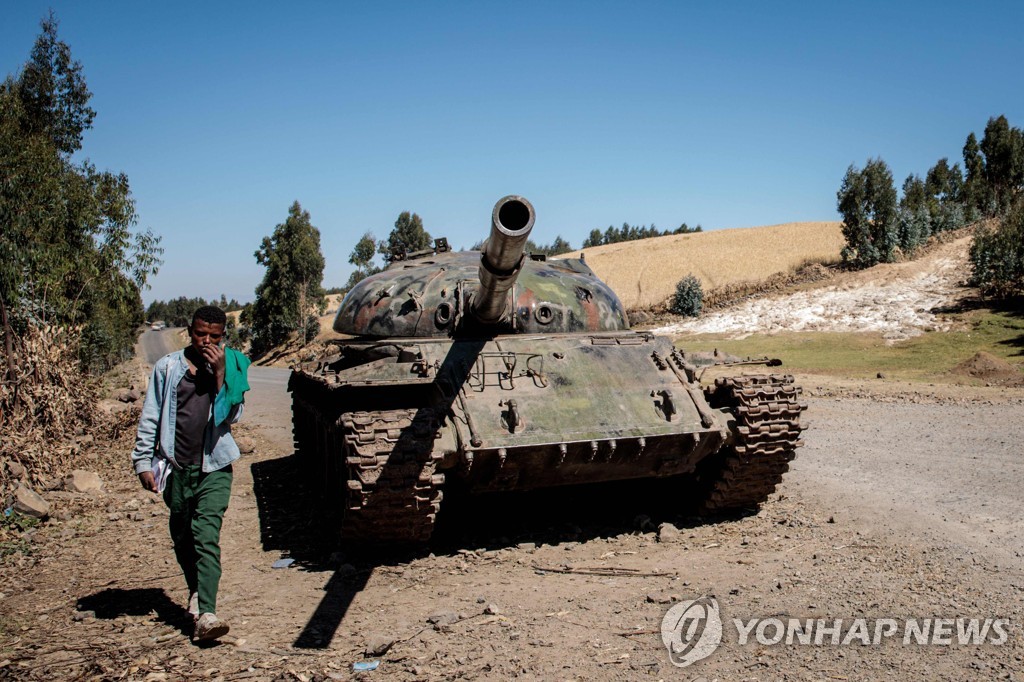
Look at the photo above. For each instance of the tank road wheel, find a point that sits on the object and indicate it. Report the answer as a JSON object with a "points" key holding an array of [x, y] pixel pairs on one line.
{"points": [[393, 493], [765, 438]]}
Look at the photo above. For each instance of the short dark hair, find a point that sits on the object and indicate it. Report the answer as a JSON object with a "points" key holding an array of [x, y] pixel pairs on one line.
{"points": [[210, 314]]}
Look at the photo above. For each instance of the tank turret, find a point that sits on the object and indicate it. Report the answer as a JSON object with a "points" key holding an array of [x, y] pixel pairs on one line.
{"points": [[498, 290]]}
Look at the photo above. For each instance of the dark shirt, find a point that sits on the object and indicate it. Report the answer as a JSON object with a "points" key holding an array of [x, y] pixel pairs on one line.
{"points": [[195, 396]]}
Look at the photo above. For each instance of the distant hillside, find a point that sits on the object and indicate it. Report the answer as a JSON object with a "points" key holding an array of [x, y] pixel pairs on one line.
{"points": [[644, 272]]}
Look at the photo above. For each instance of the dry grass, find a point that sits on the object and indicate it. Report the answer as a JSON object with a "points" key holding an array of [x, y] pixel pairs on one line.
{"points": [[644, 273]]}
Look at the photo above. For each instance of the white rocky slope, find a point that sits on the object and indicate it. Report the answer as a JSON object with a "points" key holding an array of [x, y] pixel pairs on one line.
{"points": [[899, 300]]}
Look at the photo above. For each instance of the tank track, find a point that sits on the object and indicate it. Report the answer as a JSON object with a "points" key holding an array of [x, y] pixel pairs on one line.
{"points": [[766, 435], [375, 470], [393, 493]]}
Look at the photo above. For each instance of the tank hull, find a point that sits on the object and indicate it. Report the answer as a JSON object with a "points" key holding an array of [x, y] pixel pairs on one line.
{"points": [[387, 425]]}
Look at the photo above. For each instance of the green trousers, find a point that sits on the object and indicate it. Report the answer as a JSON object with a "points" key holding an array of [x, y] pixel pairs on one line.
{"points": [[197, 502]]}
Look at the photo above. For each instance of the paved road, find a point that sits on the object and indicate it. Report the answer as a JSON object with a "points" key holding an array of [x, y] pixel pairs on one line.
{"points": [[156, 344]]}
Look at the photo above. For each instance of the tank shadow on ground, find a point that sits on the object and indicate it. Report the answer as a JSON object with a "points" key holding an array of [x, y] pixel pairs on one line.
{"points": [[294, 524]]}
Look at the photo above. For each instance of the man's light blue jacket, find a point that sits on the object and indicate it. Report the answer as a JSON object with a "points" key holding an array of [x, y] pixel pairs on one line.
{"points": [[156, 425]]}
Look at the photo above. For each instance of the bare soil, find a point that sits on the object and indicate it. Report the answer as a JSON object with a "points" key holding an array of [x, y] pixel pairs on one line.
{"points": [[988, 367], [903, 504]]}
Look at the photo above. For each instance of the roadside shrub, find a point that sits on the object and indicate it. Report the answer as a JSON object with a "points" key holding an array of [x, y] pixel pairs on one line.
{"points": [[997, 257], [689, 297]]}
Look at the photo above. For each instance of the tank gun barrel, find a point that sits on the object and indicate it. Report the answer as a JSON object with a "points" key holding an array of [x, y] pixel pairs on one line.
{"points": [[502, 258]]}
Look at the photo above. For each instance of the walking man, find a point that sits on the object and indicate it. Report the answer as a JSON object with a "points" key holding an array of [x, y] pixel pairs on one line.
{"points": [[184, 449]]}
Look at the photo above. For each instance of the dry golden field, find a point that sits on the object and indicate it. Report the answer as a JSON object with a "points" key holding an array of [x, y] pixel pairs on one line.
{"points": [[644, 273]]}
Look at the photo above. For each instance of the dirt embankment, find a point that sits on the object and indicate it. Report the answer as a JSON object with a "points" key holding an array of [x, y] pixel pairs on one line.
{"points": [[990, 369]]}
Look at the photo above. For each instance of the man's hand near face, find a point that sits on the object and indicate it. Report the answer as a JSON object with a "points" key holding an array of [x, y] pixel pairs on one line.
{"points": [[214, 355], [206, 338]]}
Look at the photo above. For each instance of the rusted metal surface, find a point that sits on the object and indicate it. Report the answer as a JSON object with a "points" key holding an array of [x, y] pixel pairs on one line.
{"points": [[497, 372]]}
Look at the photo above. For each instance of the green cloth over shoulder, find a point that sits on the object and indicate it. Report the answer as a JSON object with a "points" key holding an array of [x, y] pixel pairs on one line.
{"points": [[236, 383]]}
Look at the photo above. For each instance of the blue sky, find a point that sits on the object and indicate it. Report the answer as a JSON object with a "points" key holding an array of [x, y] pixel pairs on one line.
{"points": [[600, 113]]}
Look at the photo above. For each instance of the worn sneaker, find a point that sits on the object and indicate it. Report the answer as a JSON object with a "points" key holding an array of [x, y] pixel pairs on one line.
{"points": [[209, 627], [193, 605]]}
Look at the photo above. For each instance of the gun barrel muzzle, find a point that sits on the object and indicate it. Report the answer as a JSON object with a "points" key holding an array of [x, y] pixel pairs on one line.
{"points": [[502, 258]]}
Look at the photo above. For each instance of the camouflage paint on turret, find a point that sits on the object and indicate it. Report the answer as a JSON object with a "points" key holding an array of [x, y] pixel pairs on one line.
{"points": [[427, 297]]}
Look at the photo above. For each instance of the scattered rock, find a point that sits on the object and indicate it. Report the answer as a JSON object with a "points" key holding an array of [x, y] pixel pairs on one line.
{"points": [[527, 546], [492, 610], [79, 481], [378, 645], [109, 406], [126, 395], [443, 618], [880, 375], [18, 472], [246, 445], [29, 503], [113, 517], [659, 599], [669, 533]]}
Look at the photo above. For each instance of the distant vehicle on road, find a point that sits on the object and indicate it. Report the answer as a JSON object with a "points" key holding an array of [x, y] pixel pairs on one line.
{"points": [[157, 326]]}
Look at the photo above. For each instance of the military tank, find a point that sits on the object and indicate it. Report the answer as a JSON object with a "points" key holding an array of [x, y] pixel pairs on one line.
{"points": [[499, 370]]}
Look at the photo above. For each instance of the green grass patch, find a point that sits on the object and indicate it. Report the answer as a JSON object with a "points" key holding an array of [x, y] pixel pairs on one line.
{"points": [[928, 357], [11, 528]]}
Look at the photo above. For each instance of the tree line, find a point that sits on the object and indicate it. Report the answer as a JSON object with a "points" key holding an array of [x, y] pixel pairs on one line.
{"points": [[177, 312], [628, 233], [70, 253], [409, 235], [881, 225]]}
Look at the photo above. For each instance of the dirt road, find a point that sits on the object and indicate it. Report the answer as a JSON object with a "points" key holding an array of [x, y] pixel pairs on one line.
{"points": [[906, 509]]}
